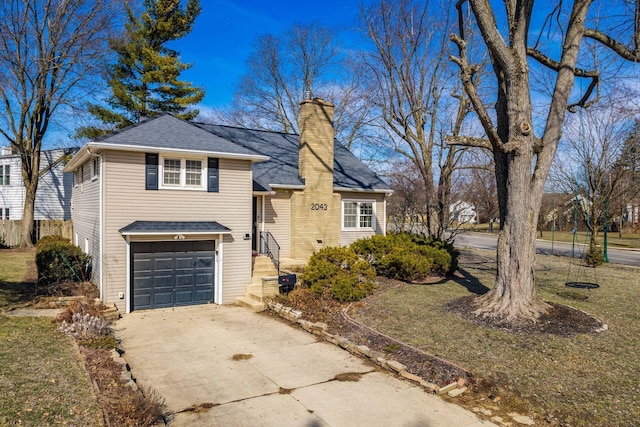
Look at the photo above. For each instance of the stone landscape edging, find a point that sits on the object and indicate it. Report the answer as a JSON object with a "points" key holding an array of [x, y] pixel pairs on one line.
{"points": [[320, 329]]}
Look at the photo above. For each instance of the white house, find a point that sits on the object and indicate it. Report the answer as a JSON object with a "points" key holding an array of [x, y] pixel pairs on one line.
{"points": [[463, 212], [53, 198]]}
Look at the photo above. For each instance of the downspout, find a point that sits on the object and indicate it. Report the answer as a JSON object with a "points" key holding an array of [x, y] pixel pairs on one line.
{"points": [[100, 219], [264, 198], [384, 217]]}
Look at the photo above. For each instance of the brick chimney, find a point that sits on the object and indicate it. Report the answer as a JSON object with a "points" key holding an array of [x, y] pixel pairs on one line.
{"points": [[316, 210], [316, 144]]}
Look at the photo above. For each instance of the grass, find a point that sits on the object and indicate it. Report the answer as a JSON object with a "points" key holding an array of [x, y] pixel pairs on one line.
{"points": [[42, 380], [584, 380], [13, 269], [624, 240]]}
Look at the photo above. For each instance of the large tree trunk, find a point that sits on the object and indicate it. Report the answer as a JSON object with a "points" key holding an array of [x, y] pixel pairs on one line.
{"points": [[26, 237], [30, 180], [513, 295]]}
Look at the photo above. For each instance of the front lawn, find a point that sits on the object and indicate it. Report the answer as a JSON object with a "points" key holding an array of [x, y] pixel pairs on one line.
{"points": [[42, 380], [582, 380], [16, 275]]}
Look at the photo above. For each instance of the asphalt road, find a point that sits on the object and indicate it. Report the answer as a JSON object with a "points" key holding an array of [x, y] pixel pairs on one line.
{"points": [[489, 241]]}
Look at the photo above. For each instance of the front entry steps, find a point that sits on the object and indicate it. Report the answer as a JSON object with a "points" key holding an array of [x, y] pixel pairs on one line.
{"points": [[264, 283]]}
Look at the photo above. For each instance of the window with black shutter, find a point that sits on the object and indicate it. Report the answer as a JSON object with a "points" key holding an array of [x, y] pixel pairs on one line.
{"points": [[213, 175], [151, 162]]}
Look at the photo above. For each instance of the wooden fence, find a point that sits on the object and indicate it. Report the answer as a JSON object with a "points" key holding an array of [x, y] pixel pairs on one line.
{"points": [[10, 230]]}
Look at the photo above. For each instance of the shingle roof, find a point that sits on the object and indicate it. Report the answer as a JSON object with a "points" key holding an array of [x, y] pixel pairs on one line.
{"points": [[169, 132], [171, 227], [282, 167]]}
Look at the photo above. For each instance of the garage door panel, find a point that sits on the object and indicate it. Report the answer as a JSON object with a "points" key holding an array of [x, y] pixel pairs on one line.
{"points": [[167, 274], [163, 299], [204, 279], [204, 296], [204, 262], [142, 300]]}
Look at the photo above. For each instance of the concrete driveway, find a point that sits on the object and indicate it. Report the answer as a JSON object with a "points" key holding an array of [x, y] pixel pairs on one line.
{"points": [[226, 366]]}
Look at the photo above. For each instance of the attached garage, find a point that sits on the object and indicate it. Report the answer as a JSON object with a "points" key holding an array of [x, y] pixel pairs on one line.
{"points": [[169, 274], [172, 273]]}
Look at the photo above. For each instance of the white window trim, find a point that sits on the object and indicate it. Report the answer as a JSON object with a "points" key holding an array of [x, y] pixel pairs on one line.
{"points": [[6, 175], [358, 202], [95, 165], [183, 174]]}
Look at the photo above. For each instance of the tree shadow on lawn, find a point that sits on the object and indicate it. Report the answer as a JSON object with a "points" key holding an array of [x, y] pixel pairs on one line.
{"points": [[16, 293], [470, 282]]}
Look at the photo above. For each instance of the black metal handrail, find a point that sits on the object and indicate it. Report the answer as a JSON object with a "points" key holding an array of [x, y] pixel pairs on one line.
{"points": [[270, 247]]}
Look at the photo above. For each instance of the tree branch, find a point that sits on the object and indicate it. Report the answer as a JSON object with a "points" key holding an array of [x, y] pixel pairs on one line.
{"points": [[614, 45], [469, 141]]}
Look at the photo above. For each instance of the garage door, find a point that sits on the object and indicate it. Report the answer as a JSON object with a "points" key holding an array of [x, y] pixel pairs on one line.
{"points": [[169, 274]]}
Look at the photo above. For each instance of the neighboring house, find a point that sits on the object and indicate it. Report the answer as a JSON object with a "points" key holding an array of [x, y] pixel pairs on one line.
{"points": [[462, 212], [53, 197], [170, 211]]}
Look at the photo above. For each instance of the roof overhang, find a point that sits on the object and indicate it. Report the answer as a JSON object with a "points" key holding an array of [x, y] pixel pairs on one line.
{"points": [[164, 228], [91, 148], [288, 186], [363, 190]]}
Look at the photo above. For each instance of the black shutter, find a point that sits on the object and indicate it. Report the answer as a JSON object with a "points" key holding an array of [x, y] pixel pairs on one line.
{"points": [[151, 161], [212, 175]]}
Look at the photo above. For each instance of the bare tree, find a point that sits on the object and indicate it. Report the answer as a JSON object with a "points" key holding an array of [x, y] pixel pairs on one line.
{"points": [[410, 78], [522, 158], [283, 69], [48, 48], [478, 186], [407, 205], [589, 167]]}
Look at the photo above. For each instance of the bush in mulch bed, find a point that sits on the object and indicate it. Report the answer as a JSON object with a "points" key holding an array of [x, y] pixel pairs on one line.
{"points": [[121, 404], [407, 257], [58, 260]]}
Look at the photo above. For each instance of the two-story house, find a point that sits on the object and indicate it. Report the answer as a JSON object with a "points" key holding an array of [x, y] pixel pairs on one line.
{"points": [[170, 210], [53, 197]]}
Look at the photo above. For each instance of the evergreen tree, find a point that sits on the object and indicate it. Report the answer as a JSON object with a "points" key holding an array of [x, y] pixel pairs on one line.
{"points": [[145, 79]]}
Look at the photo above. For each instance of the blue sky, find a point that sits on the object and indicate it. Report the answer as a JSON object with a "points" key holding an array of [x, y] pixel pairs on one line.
{"points": [[223, 36]]}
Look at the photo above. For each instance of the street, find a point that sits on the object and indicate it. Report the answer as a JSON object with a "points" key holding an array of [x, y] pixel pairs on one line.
{"points": [[489, 241]]}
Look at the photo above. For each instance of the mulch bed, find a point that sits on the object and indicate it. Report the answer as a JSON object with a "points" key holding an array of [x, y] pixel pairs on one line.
{"points": [[335, 315], [559, 319], [482, 392]]}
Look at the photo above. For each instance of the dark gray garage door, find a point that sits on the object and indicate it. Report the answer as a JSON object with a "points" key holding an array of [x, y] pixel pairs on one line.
{"points": [[169, 274]]}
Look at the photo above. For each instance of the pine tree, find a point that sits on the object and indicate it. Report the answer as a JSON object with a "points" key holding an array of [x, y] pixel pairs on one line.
{"points": [[144, 81]]}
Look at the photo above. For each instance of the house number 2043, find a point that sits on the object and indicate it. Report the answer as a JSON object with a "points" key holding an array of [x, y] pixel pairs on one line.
{"points": [[319, 206]]}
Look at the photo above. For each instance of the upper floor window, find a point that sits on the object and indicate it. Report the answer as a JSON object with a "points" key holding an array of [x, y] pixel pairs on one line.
{"points": [[78, 176], [182, 173], [357, 214], [5, 174], [95, 168]]}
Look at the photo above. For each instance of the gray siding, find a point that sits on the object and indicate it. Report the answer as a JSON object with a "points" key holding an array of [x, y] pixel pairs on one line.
{"points": [[349, 236], [277, 219], [86, 218], [126, 200]]}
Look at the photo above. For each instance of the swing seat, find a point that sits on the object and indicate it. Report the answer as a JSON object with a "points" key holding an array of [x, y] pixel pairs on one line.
{"points": [[582, 285]]}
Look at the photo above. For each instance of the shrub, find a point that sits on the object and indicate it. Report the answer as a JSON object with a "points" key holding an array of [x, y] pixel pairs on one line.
{"points": [[105, 342], [51, 239], [340, 273], [595, 256], [85, 327], [58, 260], [77, 305], [407, 257]]}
